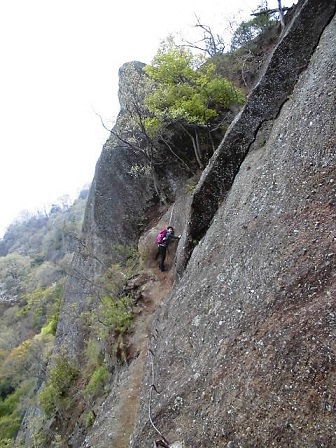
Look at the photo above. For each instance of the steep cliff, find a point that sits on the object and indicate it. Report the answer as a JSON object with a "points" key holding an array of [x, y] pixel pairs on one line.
{"points": [[121, 204], [244, 347], [241, 352]]}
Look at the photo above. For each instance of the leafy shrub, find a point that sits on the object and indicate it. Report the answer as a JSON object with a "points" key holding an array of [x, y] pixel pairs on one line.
{"points": [[9, 415], [87, 419], [6, 443], [8, 405], [116, 314], [54, 397], [97, 381], [93, 354], [9, 425], [249, 30], [190, 186], [50, 327]]}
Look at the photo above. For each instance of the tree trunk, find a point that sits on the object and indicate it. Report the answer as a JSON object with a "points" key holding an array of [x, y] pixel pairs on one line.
{"points": [[281, 15], [157, 187]]}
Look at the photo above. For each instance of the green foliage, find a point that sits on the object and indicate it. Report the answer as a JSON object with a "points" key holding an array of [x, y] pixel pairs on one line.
{"points": [[97, 381], [49, 400], [129, 257], [57, 441], [87, 419], [9, 414], [18, 356], [42, 306], [190, 185], [249, 30], [113, 280], [32, 273], [51, 326], [187, 89], [190, 96], [116, 314], [8, 406], [29, 276], [6, 443], [54, 397], [8, 427]]}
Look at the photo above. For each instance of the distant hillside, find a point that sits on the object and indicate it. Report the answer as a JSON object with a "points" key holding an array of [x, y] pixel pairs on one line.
{"points": [[35, 255]]}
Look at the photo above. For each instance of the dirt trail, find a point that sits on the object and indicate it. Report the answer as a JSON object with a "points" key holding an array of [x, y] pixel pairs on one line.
{"points": [[130, 389], [117, 423]]}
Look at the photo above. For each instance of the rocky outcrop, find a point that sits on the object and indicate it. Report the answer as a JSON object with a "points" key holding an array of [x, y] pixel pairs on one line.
{"points": [[243, 350], [241, 353], [289, 58], [120, 206]]}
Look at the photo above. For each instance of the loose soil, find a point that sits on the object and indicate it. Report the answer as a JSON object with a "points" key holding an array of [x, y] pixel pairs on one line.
{"points": [[117, 424]]}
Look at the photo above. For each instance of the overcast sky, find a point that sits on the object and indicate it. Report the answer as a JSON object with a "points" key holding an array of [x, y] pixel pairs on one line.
{"points": [[59, 64]]}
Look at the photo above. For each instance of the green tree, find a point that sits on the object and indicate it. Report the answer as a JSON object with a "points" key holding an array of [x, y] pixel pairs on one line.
{"points": [[14, 272], [247, 31], [187, 93]]}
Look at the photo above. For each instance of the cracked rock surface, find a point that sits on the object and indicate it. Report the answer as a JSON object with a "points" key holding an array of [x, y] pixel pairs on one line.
{"points": [[245, 354]]}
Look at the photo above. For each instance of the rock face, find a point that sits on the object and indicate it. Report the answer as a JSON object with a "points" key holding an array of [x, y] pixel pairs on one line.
{"points": [[289, 59], [244, 353], [118, 209]]}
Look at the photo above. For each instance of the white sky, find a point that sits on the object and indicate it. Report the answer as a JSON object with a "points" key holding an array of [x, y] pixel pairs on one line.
{"points": [[59, 64]]}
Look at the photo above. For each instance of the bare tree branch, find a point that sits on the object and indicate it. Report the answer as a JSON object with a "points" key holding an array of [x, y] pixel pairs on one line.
{"points": [[177, 157], [213, 44], [271, 11]]}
